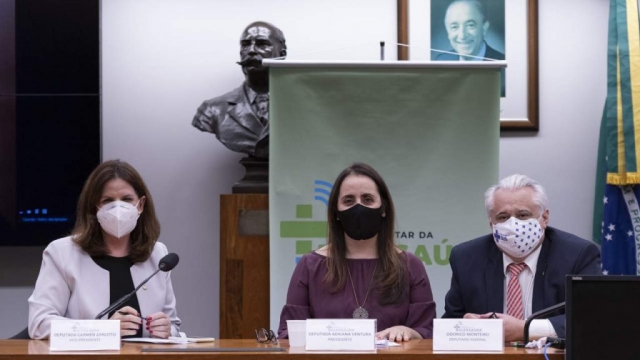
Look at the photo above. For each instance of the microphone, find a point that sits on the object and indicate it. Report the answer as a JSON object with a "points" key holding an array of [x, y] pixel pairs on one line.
{"points": [[167, 263], [539, 314]]}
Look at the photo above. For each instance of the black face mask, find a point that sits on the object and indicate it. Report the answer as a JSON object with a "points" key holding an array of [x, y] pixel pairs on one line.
{"points": [[361, 222]]}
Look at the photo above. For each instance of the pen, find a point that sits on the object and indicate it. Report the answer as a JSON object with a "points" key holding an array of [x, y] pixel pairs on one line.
{"points": [[126, 313]]}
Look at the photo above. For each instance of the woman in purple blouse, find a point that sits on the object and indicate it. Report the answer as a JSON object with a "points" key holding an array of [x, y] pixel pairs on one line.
{"points": [[360, 273]]}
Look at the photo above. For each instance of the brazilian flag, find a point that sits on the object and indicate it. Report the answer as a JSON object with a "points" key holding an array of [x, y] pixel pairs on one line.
{"points": [[617, 212]]}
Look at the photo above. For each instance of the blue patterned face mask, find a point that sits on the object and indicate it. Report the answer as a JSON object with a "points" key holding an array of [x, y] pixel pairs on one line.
{"points": [[518, 238]]}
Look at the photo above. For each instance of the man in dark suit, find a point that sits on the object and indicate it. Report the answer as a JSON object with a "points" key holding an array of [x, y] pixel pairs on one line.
{"points": [[490, 53], [467, 27], [240, 118], [520, 268]]}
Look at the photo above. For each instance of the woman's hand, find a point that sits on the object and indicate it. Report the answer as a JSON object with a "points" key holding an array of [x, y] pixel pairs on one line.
{"points": [[159, 325], [398, 333], [130, 320]]}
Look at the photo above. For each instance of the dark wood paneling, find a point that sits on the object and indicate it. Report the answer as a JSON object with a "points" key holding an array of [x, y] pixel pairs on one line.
{"points": [[403, 29], [244, 270]]}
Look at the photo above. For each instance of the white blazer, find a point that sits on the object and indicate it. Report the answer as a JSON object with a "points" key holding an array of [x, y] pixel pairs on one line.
{"points": [[72, 286]]}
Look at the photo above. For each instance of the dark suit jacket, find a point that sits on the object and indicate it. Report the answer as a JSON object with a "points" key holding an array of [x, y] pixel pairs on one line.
{"points": [[477, 282], [233, 121], [490, 53]]}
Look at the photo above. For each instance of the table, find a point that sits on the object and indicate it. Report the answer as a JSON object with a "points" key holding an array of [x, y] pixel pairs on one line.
{"points": [[414, 349]]}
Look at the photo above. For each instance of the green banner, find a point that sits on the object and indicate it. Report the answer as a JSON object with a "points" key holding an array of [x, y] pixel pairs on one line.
{"points": [[431, 132]]}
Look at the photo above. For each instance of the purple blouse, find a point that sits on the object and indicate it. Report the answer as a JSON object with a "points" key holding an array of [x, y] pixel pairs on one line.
{"points": [[310, 297]]}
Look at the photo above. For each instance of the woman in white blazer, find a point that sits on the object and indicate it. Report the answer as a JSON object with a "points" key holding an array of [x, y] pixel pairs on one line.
{"points": [[112, 248]]}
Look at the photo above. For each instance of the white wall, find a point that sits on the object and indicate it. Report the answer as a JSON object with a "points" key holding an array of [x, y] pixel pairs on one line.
{"points": [[562, 155], [161, 58]]}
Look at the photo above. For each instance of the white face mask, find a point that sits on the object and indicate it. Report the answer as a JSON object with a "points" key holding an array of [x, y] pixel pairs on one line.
{"points": [[518, 238], [118, 218]]}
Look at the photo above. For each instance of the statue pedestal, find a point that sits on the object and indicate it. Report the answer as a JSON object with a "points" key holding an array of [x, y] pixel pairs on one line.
{"points": [[244, 265], [256, 178]]}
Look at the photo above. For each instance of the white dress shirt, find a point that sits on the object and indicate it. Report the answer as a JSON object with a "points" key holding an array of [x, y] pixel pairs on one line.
{"points": [[540, 327]]}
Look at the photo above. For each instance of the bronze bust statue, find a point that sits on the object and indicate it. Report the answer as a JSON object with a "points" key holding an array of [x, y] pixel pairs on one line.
{"points": [[240, 118]]}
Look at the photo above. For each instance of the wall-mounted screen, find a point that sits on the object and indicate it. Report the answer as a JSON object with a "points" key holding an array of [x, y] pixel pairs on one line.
{"points": [[49, 114]]}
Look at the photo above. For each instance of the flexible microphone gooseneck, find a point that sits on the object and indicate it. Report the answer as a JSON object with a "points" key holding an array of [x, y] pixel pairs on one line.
{"points": [[539, 314], [167, 263]]}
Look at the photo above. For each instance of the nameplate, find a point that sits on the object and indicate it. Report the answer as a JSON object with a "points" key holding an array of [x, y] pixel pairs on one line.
{"points": [[468, 335], [68, 335], [341, 334]]}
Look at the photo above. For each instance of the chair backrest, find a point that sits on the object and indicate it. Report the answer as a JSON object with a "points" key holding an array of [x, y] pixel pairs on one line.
{"points": [[24, 334]]}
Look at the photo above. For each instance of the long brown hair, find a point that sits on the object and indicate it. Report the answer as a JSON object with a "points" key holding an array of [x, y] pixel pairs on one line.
{"points": [[87, 232], [390, 275]]}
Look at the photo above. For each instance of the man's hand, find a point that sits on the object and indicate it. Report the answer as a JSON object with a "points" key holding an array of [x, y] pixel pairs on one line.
{"points": [[513, 328], [477, 316]]}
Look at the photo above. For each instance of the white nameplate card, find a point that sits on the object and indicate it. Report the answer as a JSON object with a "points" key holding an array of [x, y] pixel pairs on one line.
{"points": [[67, 335], [468, 335], [341, 334]]}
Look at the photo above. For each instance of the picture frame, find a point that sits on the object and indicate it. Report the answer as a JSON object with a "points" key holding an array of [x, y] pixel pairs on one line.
{"points": [[519, 109]]}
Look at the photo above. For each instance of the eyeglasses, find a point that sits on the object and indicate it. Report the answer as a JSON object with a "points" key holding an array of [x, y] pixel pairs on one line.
{"points": [[264, 336]]}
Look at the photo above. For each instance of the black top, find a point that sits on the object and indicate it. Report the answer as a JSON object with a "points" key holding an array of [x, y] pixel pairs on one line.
{"points": [[120, 283]]}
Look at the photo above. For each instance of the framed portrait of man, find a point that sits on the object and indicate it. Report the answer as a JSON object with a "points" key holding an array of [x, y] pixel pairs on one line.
{"points": [[468, 30], [479, 30]]}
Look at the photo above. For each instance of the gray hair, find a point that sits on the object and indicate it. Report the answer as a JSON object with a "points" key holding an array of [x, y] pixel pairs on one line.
{"points": [[515, 182]]}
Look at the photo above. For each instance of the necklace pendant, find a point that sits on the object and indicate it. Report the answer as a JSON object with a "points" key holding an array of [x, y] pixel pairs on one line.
{"points": [[360, 313]]}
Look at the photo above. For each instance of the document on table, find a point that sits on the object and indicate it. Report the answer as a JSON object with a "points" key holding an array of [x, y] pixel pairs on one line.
{"points": [[386, 343], [170, 340]]}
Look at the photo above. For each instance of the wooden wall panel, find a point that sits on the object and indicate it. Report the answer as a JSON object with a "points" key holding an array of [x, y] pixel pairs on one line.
{"points": [[244, 268]]}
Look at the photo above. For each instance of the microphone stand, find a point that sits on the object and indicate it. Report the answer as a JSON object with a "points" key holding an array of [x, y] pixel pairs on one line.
{"points": [[124, 299], [539, 314]]}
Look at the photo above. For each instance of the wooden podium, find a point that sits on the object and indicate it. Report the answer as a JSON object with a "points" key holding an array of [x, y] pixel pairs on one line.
{"points": [[244, 265]]}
